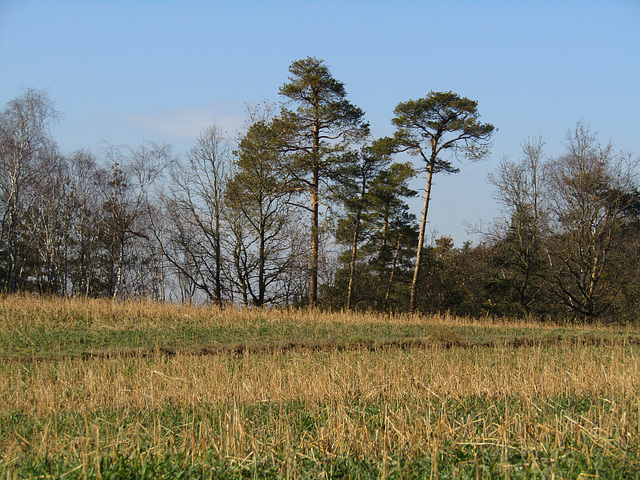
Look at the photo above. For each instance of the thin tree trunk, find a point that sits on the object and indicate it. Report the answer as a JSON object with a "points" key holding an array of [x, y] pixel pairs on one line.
{"points": [[218, 254], [116, 290], [354, 253], [393, 270], [315, 225], [261, 270], [354, 245], [423, 225], [315, 241], [13, 277], [11, 249]]}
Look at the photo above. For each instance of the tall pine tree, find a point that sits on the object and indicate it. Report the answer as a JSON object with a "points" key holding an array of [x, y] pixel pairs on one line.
{"points": [[431, 126], [314, 135]]}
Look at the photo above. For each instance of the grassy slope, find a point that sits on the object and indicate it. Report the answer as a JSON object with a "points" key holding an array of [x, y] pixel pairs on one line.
{"points": [[56, 329]]}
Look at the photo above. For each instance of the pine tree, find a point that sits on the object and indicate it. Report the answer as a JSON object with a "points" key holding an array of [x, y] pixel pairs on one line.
{"points": [[431, 126], [314, 135]]}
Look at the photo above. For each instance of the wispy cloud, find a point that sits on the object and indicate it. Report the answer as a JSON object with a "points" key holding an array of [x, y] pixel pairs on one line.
{"points": [[188, 122]]}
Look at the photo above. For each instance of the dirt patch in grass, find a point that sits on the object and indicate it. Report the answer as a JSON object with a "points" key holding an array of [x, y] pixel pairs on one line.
{"points": [[240, 349]]}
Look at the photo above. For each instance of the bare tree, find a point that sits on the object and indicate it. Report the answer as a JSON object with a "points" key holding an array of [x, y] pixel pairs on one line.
{"points": [[84, 204], [125, 191], [25, 147], [194, 209], [590, 189], [519, 189], [49, 227]]}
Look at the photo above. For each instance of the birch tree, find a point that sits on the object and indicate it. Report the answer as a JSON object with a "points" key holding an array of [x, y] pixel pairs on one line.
{"points": [[25, 146]]}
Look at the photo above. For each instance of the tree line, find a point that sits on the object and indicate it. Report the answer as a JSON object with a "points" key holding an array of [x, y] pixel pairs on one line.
{"points": [[305, 208]]}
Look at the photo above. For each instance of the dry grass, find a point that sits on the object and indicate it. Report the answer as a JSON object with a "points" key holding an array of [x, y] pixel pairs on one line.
{"points": [[54, 312], [554, 409], [315, 378], [36, 329]]}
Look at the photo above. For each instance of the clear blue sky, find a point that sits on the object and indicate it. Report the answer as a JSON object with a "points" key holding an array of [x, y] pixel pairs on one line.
{"points": [[124, 71]]}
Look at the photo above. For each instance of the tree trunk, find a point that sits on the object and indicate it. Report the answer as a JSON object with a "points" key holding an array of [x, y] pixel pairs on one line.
{"points": [[218, 255], [393, 270], [354, 253], [315, 241], [116, 289], [315, 224], [13, 275], [423, 225], [261, 270]]}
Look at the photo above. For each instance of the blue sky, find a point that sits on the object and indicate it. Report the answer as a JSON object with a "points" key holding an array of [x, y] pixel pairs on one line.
{"points": [[126, 71]]}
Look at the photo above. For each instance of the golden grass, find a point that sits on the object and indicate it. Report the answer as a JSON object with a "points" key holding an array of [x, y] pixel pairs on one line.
{"points": [[407, 383], [34, 311], [379, 404], [388, 375]]}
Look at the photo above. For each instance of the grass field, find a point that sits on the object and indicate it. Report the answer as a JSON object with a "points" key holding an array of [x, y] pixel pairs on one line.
{"points": [[95, 389]]}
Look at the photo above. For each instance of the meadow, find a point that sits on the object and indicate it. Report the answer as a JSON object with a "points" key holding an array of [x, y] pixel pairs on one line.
{"points": [[101, 389]]}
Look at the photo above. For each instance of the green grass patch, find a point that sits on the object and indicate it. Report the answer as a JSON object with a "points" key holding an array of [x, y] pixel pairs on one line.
{"points": [[288, 440], [68, 337]]}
